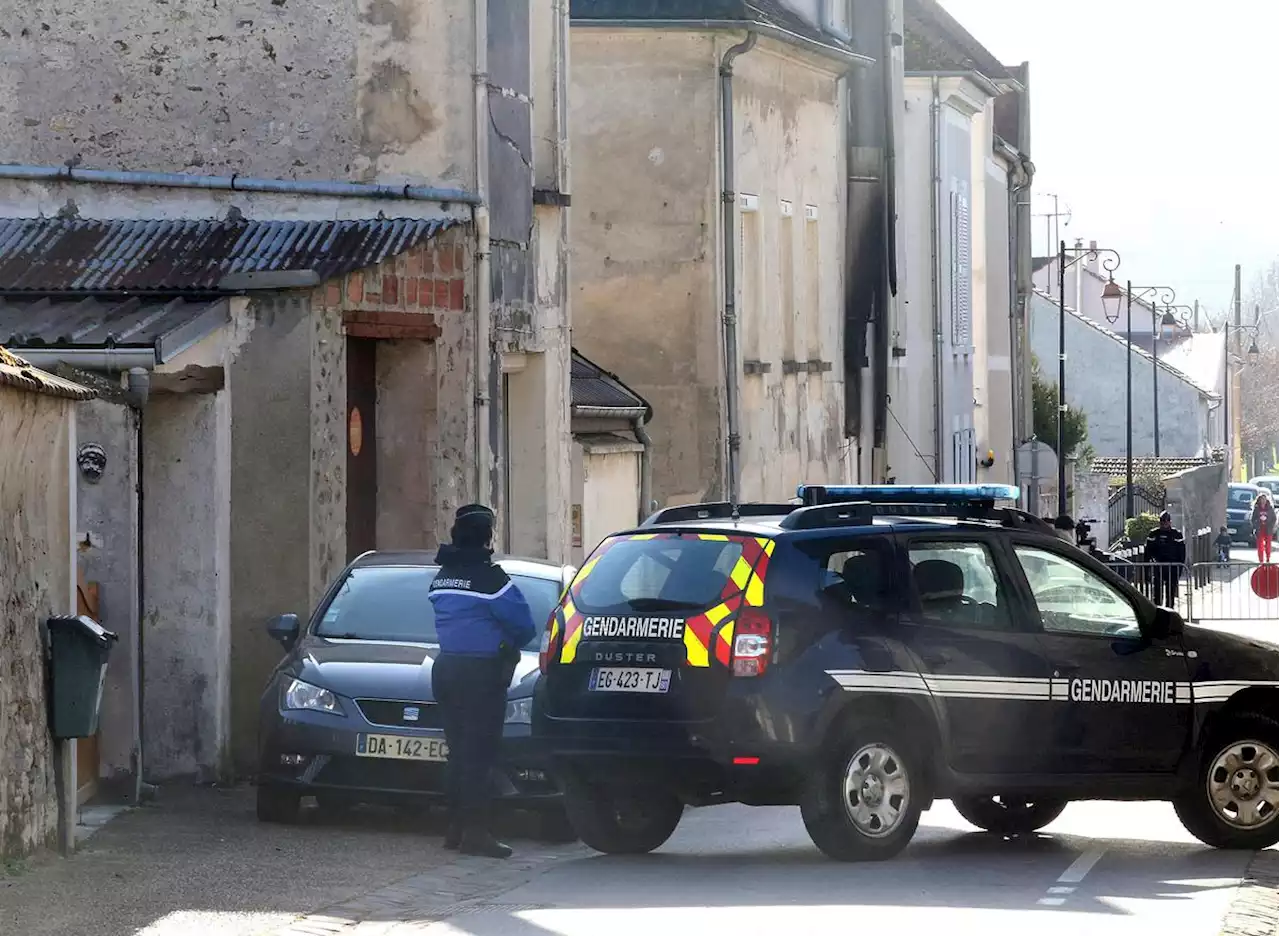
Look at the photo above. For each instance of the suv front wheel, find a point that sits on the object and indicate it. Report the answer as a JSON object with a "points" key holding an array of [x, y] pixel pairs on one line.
{"points": [[1008, 815], [865, 800], [1235, 800], [621, 821]]}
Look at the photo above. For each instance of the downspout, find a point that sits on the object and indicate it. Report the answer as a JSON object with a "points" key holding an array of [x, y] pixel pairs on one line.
{"points": [[1020, 179], [729, 207], [935, 226], [889, 320], [646, 467], [139, 384], [482, 332]]}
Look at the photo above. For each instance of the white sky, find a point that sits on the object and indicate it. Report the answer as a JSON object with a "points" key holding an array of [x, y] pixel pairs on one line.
{"points": [[1156, 122]]}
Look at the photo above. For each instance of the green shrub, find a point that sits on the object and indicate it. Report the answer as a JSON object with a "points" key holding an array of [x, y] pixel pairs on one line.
{"points": [[1137, 529]]}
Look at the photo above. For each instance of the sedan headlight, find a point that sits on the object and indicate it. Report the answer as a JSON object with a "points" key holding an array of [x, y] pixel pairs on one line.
{"points": [[520, 711], [303, 696]]}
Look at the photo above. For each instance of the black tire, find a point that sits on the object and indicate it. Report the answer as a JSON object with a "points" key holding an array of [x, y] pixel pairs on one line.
{"points": [[278, 805], [1252, 734], [1008, 815], [828, 819], [553, 826], [620, 821]]}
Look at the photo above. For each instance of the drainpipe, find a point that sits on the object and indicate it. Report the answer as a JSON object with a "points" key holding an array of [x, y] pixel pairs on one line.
{"points": [[729, 206], [1020, 187], [646, 467], [482, 336], [935, 227], [139, 389]]}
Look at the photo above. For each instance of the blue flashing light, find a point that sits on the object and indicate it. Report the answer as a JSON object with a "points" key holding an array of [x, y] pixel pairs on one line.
{"points": [[912, 493]]}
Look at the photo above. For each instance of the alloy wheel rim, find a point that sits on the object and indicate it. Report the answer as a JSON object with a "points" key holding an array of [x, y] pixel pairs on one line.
{"points": [[877, 790], [1243, 785]]}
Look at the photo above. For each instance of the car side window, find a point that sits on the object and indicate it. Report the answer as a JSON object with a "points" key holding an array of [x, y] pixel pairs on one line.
{"points": [[1074, 600], [956, 585], [857, 578]]}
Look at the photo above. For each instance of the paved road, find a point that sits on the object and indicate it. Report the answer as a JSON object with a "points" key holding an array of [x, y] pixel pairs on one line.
{"points": [[1102, 868]]}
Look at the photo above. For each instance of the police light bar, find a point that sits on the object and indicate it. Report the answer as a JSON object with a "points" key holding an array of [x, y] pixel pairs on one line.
{"points": [[957, 494]]}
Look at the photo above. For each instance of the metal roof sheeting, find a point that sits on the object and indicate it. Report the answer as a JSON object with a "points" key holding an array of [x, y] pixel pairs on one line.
{"points": [[15, 372], [171, 257], [594, 390], [167, 326]]}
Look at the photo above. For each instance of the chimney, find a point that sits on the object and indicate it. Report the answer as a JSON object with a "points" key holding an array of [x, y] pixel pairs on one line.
{"points": [[1094, 259]]}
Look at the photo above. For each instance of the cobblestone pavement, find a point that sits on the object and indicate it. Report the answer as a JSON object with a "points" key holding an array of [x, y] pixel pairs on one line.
{"points": [[1256, 907]]}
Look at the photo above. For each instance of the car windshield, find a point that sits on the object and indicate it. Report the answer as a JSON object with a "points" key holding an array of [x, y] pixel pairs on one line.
{"points": [[682, 572], [390, 603], [1242, 497]]}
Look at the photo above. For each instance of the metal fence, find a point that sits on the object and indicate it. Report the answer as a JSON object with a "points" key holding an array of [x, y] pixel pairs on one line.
{"points": [[1143, 502], [1203, 591]]}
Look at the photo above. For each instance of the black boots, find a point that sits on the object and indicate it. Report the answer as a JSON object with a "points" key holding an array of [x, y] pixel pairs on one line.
{"points": [[480, 842]]}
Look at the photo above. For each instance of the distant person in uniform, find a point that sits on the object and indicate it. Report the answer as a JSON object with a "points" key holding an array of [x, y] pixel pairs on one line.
{"points": [[1166, 545], [1263, 518], [482, 621]]}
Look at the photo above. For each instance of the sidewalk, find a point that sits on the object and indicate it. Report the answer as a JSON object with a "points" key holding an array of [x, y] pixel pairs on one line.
{"points": [[198, 863]]}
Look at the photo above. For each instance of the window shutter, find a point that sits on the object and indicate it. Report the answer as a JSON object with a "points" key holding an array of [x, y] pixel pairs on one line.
{"points": [[961, 272]]}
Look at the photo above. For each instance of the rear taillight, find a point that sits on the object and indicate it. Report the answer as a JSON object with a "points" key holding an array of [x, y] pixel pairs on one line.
{"points": [[752, 643]]}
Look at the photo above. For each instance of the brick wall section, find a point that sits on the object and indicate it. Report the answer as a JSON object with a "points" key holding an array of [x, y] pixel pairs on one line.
{"points": [[430, 279]]}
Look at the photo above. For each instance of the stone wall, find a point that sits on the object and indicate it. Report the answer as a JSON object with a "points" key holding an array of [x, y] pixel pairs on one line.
{"points": [[35, 583], [1197, 498]]}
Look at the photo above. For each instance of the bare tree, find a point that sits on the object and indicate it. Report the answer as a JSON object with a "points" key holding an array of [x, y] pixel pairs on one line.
{"points": [[1260, 374]]}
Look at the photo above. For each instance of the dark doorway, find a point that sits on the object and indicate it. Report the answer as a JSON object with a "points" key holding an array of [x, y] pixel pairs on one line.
{"points": [[362, 449]]}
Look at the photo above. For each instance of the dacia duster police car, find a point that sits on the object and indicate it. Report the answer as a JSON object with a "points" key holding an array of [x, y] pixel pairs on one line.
{"points": [[866, 650]]}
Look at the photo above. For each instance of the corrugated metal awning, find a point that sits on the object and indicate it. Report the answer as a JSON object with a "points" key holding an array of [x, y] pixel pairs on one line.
{"points": [[596, 392], [54, 256], [168, 327]]}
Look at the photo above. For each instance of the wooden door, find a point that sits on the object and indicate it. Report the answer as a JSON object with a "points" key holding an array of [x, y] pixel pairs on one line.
{"points": [[87, 748], [362, 434]]}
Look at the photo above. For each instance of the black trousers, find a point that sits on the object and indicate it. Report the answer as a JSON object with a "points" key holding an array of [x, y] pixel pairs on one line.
{"points": [[472, 693]]}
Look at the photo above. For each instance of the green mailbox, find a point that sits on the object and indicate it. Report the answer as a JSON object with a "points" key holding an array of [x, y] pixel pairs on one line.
{"points": [[78, 651]]}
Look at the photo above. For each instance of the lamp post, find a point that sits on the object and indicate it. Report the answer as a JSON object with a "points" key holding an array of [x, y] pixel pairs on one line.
{"points": [[1130, 292], [1109, 263], [1228, 453]]}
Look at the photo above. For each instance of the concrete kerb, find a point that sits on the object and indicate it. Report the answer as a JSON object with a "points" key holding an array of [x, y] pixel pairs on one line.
{"points": [[1255, 908]]}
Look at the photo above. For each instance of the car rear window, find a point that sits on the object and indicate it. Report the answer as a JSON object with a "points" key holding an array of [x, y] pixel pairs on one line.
{"points": [[390, 603], [668, 573]]}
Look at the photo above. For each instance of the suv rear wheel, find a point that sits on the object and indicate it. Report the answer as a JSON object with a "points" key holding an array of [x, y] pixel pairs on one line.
{"points": [[864, 802], [621, 821], [1235, 800], [1008, 815]]}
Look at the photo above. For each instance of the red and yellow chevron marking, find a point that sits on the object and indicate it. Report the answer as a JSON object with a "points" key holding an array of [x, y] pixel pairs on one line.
{"points": [[708, 635]]}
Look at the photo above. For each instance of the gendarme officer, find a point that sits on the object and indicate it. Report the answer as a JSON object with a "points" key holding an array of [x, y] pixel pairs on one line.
{"points": [[1166, 546], [482, 621]]}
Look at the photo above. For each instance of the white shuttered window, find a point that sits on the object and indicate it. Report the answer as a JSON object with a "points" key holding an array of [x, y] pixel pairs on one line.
{"points": [[961, 269]]}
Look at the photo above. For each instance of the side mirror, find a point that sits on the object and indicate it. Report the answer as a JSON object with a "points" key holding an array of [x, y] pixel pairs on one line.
{"points": [[284, 629], [1164, 624]]}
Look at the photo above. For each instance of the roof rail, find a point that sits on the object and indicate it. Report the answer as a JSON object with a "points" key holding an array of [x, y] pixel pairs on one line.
{"points": [[716, 511], [864, 513]]}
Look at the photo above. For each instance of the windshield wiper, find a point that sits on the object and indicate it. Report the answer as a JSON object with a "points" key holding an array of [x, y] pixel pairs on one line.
{"points": [[664, 604]]}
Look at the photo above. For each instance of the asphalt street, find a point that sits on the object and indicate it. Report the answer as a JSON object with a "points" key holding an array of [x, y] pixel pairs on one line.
{"points": [[1102, 868]]}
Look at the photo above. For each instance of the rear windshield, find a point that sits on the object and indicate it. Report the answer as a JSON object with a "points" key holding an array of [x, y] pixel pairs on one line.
{"points": [[390, 603], [667, 574]]}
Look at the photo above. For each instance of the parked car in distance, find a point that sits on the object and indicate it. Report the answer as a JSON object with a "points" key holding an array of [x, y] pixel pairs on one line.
{"points": [[1270, 482], [349, 715], [1240, 499]]}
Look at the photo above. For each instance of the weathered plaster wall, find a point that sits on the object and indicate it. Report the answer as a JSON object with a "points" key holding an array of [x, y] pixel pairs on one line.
{"points": [[269, 380], [610, 487], [108, 555], [35, 583], [328, 90], [789, 146], [1197, 498], [644, 116], [328, 491], [186, 559]]}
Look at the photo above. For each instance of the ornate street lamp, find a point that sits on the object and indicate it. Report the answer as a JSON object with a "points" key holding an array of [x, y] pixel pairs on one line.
{"points": [[1168, 295]]}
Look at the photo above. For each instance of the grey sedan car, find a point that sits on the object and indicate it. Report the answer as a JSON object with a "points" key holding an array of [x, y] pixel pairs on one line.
{"points": [[349, 715]]}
